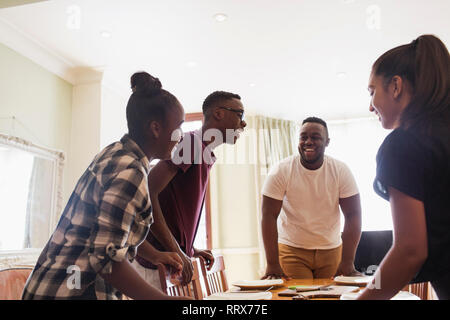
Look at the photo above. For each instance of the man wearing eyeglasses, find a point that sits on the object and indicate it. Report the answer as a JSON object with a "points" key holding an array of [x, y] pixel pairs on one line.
{"points": [[177, 188]]}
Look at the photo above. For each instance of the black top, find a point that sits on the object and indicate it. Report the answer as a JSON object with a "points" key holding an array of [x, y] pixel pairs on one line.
{"points": [[418, 165]]}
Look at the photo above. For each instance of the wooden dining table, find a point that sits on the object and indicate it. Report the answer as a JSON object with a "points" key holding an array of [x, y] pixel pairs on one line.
{"points": [[294, 282]]}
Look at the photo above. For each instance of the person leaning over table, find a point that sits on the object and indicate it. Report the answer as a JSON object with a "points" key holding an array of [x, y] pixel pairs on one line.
{"points": [[409, 87], [308, 189], [109, 213], [178, 186]]}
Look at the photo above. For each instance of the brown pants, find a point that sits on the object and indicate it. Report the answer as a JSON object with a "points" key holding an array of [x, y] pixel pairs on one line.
{"points": [[301, 263]]}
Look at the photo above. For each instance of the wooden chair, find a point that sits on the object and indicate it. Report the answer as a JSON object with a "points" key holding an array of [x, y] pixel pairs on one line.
{"points": [[174, 287], [419, 289], [215, 279], [12, 282]]}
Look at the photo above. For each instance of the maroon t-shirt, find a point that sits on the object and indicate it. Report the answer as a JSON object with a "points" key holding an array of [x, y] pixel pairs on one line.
{"points": [[182, 200]]}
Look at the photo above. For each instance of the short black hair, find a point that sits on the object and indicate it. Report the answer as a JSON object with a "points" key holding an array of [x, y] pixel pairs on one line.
{"points": [[216, 97], [316, 120], [148, 102]]}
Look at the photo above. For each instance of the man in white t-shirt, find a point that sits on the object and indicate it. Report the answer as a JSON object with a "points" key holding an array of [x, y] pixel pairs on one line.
{"points": [[300, 211]]}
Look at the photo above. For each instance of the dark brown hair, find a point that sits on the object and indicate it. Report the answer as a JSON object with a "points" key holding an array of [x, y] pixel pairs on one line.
{"points": [[425, 64], [148, 102], [142, 79]]}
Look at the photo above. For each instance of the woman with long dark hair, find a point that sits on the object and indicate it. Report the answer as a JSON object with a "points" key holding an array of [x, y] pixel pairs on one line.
{"points": [[409, 86]]}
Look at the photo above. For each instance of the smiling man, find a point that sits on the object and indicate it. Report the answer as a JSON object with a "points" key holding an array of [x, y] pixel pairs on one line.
{"points": [[303, 193]]}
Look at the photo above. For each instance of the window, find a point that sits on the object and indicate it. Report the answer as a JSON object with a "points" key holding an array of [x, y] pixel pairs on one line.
{"points": [[356, 143], [30, 195]]}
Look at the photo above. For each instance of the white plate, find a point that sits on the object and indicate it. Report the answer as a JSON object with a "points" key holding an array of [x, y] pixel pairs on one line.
{"points": [[402, 295], [258, 284], [301, 288], [240, 296], [405, 295], [362, 280]]}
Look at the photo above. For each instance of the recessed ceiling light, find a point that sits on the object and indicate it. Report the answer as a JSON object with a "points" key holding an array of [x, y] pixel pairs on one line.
{"points": [[191, 64], [341, 75], [220, 17], [252, 84], [105, 34]]}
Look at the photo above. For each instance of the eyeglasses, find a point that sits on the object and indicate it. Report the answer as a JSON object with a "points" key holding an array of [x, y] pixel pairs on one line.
{"points": [[239, 113]]}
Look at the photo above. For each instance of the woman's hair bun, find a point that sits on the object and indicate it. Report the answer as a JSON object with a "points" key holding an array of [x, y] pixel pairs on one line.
{"points": [[144, 81]]}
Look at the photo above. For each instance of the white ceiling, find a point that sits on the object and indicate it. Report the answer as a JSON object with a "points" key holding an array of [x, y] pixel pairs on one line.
{"points": [[285, 58]]}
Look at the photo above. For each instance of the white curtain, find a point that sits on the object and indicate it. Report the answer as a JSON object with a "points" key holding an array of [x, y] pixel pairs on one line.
{"points": [[39, 205], [42, 198], [276, 139]]}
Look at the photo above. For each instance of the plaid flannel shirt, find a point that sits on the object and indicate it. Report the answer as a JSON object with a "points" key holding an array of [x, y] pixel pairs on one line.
{"points": [[107, 216]]}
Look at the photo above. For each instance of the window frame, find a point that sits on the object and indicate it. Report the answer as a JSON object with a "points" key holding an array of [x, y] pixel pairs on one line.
{"points": [[28, 256]]}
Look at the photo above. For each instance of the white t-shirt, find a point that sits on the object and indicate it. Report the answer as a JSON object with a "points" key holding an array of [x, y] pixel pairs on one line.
{"points": [[310, 216]]}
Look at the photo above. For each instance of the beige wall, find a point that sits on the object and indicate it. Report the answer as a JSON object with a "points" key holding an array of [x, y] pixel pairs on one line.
{"points": [[78, 119], [234, 218], [40, 101], [113, 116], [85, 129], [98, 119], [235, 207]]}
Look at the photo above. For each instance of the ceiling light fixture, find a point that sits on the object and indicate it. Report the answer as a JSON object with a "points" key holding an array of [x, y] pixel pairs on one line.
{"points": [[220, 17], [105, 34], [341, 75], [191, 64]]}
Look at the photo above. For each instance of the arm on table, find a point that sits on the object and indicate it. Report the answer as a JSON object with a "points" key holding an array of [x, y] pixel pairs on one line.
{"points": [[351, 208], [409, 250], [270, 212]]}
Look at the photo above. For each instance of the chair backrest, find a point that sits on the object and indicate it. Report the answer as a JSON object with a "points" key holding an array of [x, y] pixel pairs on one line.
{"points": [[215, 279], [420, 289], [12, 282], [371, 250], [174, 286]]}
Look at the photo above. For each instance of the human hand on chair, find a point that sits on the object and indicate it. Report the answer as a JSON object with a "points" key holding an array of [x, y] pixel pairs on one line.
{"points": [[172, 260], [188, 269], [206, 255]]}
